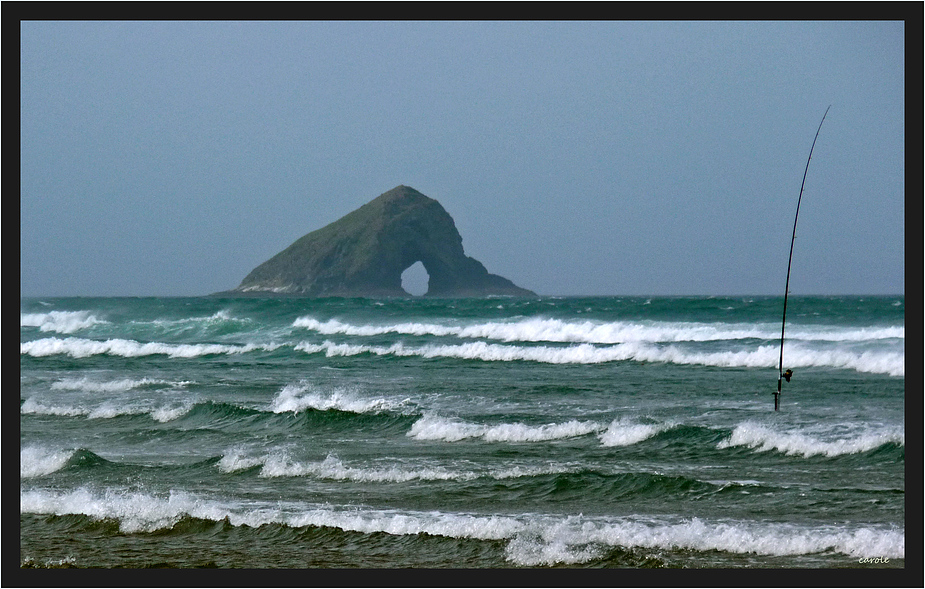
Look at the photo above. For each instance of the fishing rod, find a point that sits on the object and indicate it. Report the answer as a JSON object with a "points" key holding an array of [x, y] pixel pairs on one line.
{"points": [[783, 323]]}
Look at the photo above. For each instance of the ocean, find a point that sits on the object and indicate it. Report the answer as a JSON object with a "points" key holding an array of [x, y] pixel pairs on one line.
{"points": [[559, 432]]}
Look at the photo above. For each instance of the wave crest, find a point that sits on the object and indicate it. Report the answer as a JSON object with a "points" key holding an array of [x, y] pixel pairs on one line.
{"points": [[83, 348], [59, 321], [106, 410], [35, 461], [765, 356], [532, 540], [541, 329], [622, 432], [762, 438], [432, 427], [303, 395]]}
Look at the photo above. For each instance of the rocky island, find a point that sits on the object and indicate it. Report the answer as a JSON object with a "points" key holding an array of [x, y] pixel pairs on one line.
{"points": [[364, 253]]}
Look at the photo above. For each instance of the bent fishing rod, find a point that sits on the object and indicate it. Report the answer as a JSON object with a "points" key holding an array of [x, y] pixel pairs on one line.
{"points": [[781, 374]]}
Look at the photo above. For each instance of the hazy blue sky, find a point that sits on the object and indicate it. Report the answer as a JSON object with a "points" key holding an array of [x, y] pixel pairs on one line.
{"points": [[171, 158]]}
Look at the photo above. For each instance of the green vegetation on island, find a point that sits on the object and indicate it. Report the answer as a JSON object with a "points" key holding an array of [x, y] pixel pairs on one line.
{"points": [[364, 253]]}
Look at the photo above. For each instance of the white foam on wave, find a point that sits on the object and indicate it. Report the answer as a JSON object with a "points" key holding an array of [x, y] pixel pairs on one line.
{"points": [[575, 539], [35, 406], [888, 362], [479, 527], [109, 410], [166, 413], [798, 356], [540, 329], [84, 348], [105, 410], [766, 356], [304, 395], [135, 511], [533, 539], [434, 427], [59, 321], [110, 386], [221, 317], [622, 432], [878, 361], [217, 317], [580, 354], [333, 468], [238, 459], [335, 327], [762, 438], [143, 512], [89, 405], [36, 461], [277, 463]]}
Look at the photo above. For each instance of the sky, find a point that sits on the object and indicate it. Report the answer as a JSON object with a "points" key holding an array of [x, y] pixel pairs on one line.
{"points": [[165, 158]]}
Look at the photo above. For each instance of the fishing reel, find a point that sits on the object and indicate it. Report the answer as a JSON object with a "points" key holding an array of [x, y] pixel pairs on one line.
{"points": [[783, 376]]}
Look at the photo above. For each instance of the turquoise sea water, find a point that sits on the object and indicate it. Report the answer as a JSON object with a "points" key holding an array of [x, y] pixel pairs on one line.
{"points": [[471, 433]]}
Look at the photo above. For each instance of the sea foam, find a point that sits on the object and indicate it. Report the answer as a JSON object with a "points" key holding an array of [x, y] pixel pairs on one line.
{"points": [[764, 356], [334, 469], [574, 540], [303, 395], [105, 410], [622, 432], [762, 438], [110, 386], [433, 427], [59, 321], [532, 539], [884, 360], [36, 461], [83, 348], [277, 463], [539, 329]]}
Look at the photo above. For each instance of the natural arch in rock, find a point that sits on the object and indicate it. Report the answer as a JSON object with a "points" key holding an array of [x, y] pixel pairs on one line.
{"points": [[415, 279], [364, 253]]}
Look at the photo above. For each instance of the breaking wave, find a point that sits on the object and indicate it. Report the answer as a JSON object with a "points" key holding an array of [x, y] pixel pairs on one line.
{"points": [[59, 321], [762, 438], [622, 432], [433, 427], [619, 432], [766, 356], [600, 332], [531, 539], [303, 395], [110, 386], [106, 410], [35, 461], [278, 464], [83, 348]]}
